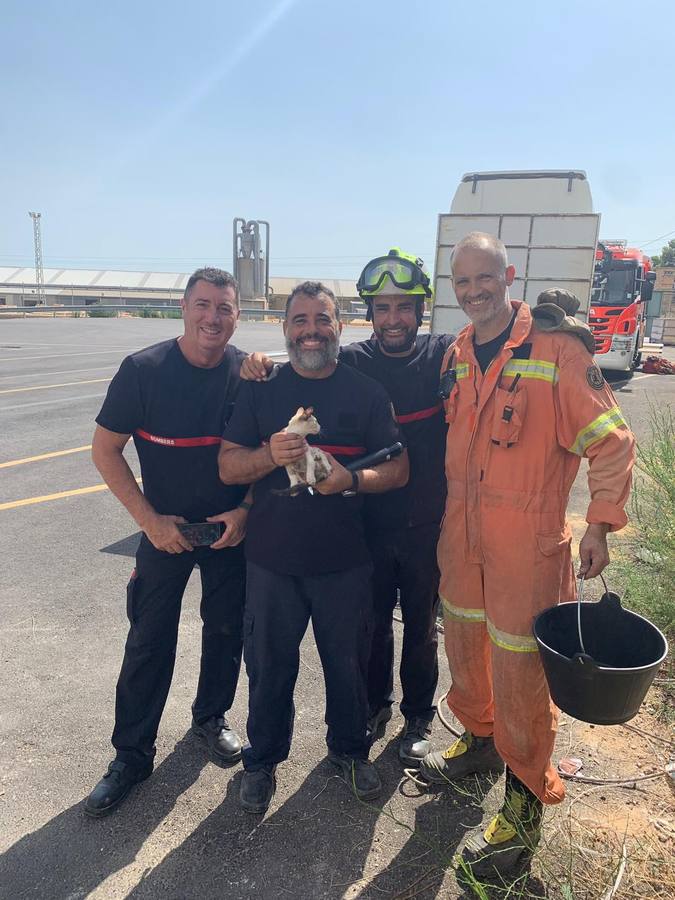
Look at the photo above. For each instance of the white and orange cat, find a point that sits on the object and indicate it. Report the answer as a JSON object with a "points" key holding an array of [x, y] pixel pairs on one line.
{"points": [[314, 466]]}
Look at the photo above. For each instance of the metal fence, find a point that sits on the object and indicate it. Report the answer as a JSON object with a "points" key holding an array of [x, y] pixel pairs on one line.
{"points": [[149, 312]]}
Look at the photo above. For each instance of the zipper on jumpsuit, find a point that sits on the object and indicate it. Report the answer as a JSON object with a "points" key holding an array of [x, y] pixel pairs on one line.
{"points": [[475, 551]]}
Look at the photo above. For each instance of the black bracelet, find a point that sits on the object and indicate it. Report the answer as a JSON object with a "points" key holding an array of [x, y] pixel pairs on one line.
{"points": [[245, 505], [354, 489]]}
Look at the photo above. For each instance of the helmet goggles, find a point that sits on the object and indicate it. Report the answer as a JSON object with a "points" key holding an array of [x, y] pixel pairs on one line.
{"points": [[405, 274]]}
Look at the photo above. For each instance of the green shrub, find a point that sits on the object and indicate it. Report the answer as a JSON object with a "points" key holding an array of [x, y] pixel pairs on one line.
{"points": [[97, 313], [646, 559], [649, 568]]}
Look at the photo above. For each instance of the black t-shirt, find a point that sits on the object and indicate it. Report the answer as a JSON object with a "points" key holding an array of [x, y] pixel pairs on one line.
{"points": [[485, 353], [311, 535], [176, 413], [412, 383]]}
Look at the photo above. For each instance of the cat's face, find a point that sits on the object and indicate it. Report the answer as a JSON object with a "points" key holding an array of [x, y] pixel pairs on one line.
{"points": [[312, 425], [305, 422]]}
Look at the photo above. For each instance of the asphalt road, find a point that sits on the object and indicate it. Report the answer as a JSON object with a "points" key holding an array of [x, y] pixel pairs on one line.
{"points": [[65, 551]]}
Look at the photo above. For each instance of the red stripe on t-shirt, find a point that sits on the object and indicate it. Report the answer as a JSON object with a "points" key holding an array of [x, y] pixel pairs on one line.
{"points": [[422, 414], [337, 450], [177, 442]]}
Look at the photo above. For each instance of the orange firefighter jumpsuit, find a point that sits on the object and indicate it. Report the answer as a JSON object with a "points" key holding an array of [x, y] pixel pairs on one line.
{"points": [[516, 437]]}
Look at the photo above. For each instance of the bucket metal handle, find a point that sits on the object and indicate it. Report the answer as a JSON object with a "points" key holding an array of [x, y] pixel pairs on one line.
{"points": [[580, 594]]}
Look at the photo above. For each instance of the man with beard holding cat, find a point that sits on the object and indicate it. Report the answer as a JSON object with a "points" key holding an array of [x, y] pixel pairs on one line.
{"points": [[307, 555], [402, 526]]}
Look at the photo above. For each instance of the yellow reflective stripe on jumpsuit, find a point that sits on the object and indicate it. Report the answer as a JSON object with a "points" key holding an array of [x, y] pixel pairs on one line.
{"points": [[518, 643], [540, 369], [460, 612], [597, 430]]}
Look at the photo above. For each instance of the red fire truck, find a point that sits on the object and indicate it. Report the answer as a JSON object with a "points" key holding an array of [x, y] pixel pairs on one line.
{"points": [[623, 282]]}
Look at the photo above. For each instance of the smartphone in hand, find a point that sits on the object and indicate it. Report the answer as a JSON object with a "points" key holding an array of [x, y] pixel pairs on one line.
{"points": [[201, 534]]}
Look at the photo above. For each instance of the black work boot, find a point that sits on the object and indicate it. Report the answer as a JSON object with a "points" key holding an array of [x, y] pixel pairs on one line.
{"points": [[506, 846], [360, 774], [415, 744], [377, 723], [222, 741], [469, 755], [114, 787], [257, 789]]}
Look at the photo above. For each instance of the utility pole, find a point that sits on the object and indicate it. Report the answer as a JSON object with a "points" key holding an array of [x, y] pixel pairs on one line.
{"points": [[39, 271]]}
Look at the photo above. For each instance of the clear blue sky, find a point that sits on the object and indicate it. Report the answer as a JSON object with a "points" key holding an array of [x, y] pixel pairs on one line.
{"points": [[140, 129]]}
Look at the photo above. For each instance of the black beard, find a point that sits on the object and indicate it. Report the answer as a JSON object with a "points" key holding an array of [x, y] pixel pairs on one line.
{"points": [[403, 347]]}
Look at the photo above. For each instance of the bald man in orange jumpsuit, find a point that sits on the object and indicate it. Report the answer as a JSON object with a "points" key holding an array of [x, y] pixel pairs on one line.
{"points": [[523, 407]]}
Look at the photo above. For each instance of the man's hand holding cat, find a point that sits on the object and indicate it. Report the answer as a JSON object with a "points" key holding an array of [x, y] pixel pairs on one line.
{"points": [[256, 367], [286, 448], [340, 479]]}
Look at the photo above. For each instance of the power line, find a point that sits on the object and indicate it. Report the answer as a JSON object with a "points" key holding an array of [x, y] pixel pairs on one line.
{"points": [[653, 241]]}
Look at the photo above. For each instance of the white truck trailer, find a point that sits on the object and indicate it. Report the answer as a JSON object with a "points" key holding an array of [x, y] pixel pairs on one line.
{"points": [[547, 223]]}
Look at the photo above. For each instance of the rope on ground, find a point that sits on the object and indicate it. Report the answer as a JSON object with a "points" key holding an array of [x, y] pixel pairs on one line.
{"points": [[414, 775], [441, 715], [586, 779], [648, 734]]}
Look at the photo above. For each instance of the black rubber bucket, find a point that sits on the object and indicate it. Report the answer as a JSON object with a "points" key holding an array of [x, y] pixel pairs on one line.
{"points": [[606, 684]]}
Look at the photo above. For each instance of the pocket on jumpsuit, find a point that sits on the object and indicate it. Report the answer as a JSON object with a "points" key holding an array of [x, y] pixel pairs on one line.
{"points": [[509, 415], [556, 575]]}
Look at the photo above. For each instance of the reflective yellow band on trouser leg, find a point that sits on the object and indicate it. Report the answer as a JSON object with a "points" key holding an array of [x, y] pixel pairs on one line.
{"points": [[517, 643], [461, 613]]}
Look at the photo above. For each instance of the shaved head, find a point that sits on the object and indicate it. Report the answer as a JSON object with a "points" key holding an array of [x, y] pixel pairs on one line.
{"points": [[481, 240]]}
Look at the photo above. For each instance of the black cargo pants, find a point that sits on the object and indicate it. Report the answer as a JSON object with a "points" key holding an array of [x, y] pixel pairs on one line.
{"points": [[278, 610], [154, 596], [405, 560]]}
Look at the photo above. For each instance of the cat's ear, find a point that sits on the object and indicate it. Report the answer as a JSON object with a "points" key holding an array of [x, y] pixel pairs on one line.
{"points": [[309, 412], [300, 413]]}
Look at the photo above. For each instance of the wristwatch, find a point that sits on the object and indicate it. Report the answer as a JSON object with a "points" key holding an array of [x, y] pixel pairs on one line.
{"points": [[354, 489]]}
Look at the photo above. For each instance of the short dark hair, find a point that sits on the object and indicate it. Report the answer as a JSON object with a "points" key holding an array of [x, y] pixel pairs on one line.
{"points": [[312, 289], [218, 277]]}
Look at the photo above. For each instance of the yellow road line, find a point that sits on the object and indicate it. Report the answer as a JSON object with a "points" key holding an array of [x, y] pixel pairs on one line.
{"points": [[44, 387], [27, 459], [29, 501]]}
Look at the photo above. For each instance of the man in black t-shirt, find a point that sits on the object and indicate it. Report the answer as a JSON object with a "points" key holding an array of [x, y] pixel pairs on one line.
{"points": [[175, 398], [402, 526], [307, 555]]}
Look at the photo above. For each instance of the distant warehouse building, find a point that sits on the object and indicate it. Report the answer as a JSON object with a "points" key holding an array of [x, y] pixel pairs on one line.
{"points": [[110, 287]]}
